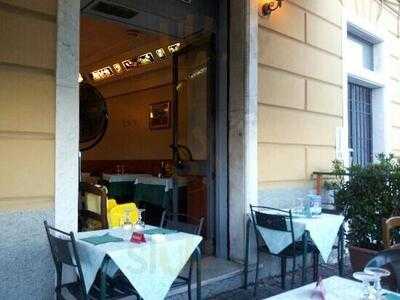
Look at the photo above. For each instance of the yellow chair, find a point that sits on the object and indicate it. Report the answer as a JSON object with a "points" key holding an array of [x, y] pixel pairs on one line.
{"points": [[111, 203], [117, 212]]}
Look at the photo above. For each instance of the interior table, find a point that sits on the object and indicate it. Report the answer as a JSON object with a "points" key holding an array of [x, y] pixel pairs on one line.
{"points": [[337, 288], [159, 191], [150, 267], [122, 186]]}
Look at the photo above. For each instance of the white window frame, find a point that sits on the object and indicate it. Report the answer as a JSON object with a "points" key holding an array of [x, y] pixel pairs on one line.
{"points": [[377, 80]]}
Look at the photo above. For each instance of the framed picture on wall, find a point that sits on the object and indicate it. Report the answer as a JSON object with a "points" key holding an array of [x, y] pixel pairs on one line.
{"points": [[160, 115]]}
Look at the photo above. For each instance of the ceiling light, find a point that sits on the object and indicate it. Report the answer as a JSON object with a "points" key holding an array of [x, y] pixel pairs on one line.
{"points": [[161, 53], [102, 73], [118, 68], [174, 47], [146, 58], [198, 72], [129, 64]]}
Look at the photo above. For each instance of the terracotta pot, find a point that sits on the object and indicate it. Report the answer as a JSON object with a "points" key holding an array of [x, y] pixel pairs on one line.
{"points": [[359, 257]]}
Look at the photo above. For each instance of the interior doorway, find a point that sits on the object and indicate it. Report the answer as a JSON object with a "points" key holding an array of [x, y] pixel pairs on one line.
{"points": [[150, 135]]}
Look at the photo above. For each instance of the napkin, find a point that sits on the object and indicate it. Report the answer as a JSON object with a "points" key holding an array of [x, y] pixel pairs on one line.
{"points": [[102, 239], [159, 231], [319, 292]]}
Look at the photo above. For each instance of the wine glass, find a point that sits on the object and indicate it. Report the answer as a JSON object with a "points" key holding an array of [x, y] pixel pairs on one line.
{"points": [[140, 225], [378, 273], [126, 221], [366, 280]]}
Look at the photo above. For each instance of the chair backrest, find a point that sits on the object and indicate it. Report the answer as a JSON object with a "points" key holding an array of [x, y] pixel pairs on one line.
{"points": [[271, 218], [64, 252], [388, 227], [94, 203], [118, 211], [182, 222], [390, 259]]}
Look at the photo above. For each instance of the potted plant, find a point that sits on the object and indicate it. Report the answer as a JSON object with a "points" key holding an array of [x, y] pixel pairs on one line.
{"points": [[370, 195], [334, 181]]}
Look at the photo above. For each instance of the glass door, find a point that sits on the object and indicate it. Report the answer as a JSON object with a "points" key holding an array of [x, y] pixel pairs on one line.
{"points": [[194, 135]]}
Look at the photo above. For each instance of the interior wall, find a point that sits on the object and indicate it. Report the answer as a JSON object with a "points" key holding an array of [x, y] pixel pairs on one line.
{"points": [[128, 136], [27, 140], [299, 95]]}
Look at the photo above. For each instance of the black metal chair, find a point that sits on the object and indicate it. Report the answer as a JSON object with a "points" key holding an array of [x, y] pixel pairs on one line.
{"points": [[388, 259], [279, 220], [64, 252], [187, 224]]}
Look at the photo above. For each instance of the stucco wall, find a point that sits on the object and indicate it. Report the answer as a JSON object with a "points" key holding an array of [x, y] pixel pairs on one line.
{"points": [[299, 95], [303, 89], [385, 22], [27, 140]]}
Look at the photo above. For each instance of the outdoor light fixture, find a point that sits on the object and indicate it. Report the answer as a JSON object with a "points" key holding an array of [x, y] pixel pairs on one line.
{"points": [[269, 6]]}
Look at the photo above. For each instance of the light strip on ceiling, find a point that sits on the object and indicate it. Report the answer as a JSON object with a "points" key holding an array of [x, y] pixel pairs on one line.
{"points": [[102, 73], [132, 63]]}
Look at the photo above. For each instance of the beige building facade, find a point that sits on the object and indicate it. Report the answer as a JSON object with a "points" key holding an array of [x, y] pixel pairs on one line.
{"points": [[303, 74], [301, 117]]}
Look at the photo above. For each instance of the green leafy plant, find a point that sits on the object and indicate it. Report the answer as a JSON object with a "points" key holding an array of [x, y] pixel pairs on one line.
{"points": [[371, 194], [336, 179]]}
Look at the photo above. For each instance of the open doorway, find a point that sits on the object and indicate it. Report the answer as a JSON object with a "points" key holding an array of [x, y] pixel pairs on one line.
{"points": [[148, 136]]}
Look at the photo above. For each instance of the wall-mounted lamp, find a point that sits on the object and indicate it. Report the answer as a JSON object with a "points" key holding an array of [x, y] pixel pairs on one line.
{"points": [[269, 6]]}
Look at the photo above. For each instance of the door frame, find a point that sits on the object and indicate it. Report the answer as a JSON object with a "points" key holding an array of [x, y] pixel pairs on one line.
{"points": [[236, 120]]}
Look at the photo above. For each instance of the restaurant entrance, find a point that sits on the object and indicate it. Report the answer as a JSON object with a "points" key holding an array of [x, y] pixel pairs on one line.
{"points": [[148, 117]]}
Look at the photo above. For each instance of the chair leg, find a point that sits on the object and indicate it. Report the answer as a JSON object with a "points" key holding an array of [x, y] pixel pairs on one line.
{"points": [[189, 291], [293, 270], [303, 271], [59, 283], [283, 273], [256, 279], [246, 262], [316, 265], [190, 279]]}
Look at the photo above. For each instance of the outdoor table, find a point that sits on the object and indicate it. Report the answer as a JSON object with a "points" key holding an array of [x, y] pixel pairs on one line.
{"points": [[322, 230], [150, 267], [337, 288]]}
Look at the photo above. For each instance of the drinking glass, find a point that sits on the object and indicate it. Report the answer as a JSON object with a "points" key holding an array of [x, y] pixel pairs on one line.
{"points": [[126, 221], [366, 280], [140, 225], [378, 273]]}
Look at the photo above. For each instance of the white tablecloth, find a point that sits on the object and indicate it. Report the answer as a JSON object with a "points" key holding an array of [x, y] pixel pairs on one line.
{"points": [[323, 231], [167, 182], [123, 177], [151, 267], [337, 288]]}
